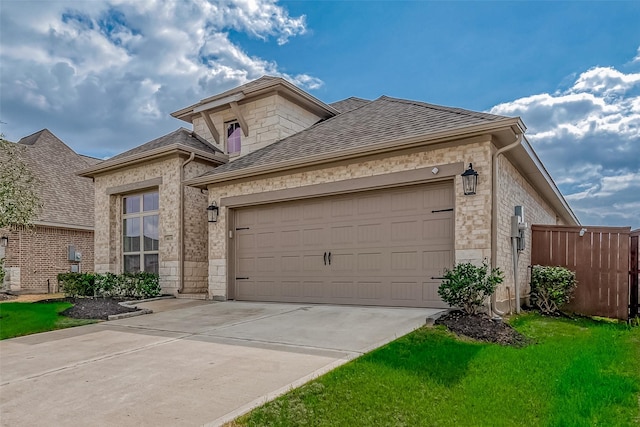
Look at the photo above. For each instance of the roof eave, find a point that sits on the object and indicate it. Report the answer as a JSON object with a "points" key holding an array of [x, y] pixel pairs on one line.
{"points": [[280, 85], [107, 165], [386, 146]]}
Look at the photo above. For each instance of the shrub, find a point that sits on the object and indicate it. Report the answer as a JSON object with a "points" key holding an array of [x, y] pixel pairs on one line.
{"points": [[128, 285], [467, 286], [551, 287]]}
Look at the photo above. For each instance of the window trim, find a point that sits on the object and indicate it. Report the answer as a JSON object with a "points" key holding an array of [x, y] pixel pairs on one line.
{"points": [[141, 214]]}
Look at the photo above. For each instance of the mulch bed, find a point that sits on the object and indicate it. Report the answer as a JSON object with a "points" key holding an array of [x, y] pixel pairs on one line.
{"points": [[94, 308], [482, 328]]}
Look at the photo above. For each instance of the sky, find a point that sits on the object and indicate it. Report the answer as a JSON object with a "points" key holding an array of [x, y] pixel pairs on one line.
{"points": [[104, 75]]}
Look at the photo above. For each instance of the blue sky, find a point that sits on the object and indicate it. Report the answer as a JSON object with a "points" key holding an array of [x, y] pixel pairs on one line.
{"points": [[104, 75]]}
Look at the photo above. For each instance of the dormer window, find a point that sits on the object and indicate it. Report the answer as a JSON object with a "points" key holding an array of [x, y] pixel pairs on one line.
{"points": [[234, 137]]}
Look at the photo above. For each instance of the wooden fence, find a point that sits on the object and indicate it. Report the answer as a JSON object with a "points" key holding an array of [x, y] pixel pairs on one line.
{"points": [[634, 275], [600, 258]]}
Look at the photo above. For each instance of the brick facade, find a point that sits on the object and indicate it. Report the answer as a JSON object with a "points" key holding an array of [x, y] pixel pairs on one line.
{"points": [[513, 190], [36, 255]]}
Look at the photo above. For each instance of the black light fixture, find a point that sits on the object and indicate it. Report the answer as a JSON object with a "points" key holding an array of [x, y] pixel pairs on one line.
{"points": [[212, 212], [469, 181], [4, 241]]}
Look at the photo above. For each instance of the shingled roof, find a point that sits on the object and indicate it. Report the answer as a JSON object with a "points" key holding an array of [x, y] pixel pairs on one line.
{"points": [[180, 136], [383, 120], [349, 104], [67, 198]]}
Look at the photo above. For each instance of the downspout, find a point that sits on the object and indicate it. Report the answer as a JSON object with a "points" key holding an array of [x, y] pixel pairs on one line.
{"points": [[494, 214], [181, 219]]}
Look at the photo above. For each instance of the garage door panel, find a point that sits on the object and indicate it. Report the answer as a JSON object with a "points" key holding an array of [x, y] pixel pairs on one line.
{"points": [[370, 291], [312, 263], [313, 237], [245, 242], [369, 262], [342, 235], [385, 246], [370, 233], [345, 290], [314, 289], [342, 208], [266, 265], [343, 262], [406, 291], [291, 263], [404, 261], [438, 229], [369, 204], [290, 238], [407, 201]]}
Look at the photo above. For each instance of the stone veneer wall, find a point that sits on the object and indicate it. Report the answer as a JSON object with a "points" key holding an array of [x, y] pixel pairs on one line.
{"points": [[514, 190], [108, 216], [35, 255], [196, 250], [473, 213], [269, 119]]}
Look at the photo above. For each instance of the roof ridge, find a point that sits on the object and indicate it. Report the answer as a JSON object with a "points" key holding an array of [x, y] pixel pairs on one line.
{"points": [[455, 110]]}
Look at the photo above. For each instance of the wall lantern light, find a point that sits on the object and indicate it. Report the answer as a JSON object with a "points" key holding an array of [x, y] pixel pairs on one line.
{"points": [[469, 181], [212, 212], [4, 241]]}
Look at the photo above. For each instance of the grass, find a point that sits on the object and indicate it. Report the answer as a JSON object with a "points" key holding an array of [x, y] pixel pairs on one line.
{"points": [[578, 373], [20, 318]]}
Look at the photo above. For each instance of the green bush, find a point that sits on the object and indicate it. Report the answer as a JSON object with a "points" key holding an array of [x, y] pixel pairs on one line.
{"points": [[467, 286], [551, 287], [127, 285]]}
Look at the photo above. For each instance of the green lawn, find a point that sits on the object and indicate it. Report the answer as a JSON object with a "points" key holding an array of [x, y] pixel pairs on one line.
{"points": [[579, 373], [21, 318]]}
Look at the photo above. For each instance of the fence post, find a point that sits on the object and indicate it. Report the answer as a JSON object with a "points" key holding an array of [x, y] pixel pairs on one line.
{"points": [[634, 308]]}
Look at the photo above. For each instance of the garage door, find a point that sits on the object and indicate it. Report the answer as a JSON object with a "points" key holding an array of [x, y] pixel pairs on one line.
{"points": [[385, 247]]}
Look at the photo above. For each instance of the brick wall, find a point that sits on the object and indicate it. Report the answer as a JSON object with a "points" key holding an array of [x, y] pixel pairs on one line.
{"points": [[513, 190], [38, 254], [269, 119]]}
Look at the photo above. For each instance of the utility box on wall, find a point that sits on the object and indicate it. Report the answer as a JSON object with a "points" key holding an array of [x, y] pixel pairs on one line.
{"points": [[74, 256]]}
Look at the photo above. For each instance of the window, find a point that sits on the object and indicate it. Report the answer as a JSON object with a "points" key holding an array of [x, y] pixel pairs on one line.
{"points": [[233, 137], [140, 236]]}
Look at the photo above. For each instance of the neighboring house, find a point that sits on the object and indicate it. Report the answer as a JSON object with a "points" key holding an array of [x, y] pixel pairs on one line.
{"points": [[355, 202], [61, 237]]}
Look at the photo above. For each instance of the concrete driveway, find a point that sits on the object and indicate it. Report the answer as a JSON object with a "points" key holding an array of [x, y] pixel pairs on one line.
{"points": [[189, 363]]}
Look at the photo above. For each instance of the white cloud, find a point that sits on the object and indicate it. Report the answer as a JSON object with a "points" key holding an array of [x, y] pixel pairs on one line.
{"points": [[588, 136], [114, 70]]}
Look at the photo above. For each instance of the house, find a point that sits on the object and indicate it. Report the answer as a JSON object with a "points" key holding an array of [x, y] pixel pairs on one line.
{"points": [[61, 236], [355, 202]]}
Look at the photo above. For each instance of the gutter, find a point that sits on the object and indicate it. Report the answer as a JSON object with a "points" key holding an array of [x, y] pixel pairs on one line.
{"points": [[494, 213], [144, 156], [181, 219]]}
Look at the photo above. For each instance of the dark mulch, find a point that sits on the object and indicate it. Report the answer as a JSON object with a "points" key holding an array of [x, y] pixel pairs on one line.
{"points": [[94, 308], [7, 297], [481, 327]]}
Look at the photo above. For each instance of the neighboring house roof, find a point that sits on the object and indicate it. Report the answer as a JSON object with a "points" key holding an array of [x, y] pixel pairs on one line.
{"points": [[180, 140], [67, 199], [376, 122], [349, 104], [255, 89]]}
